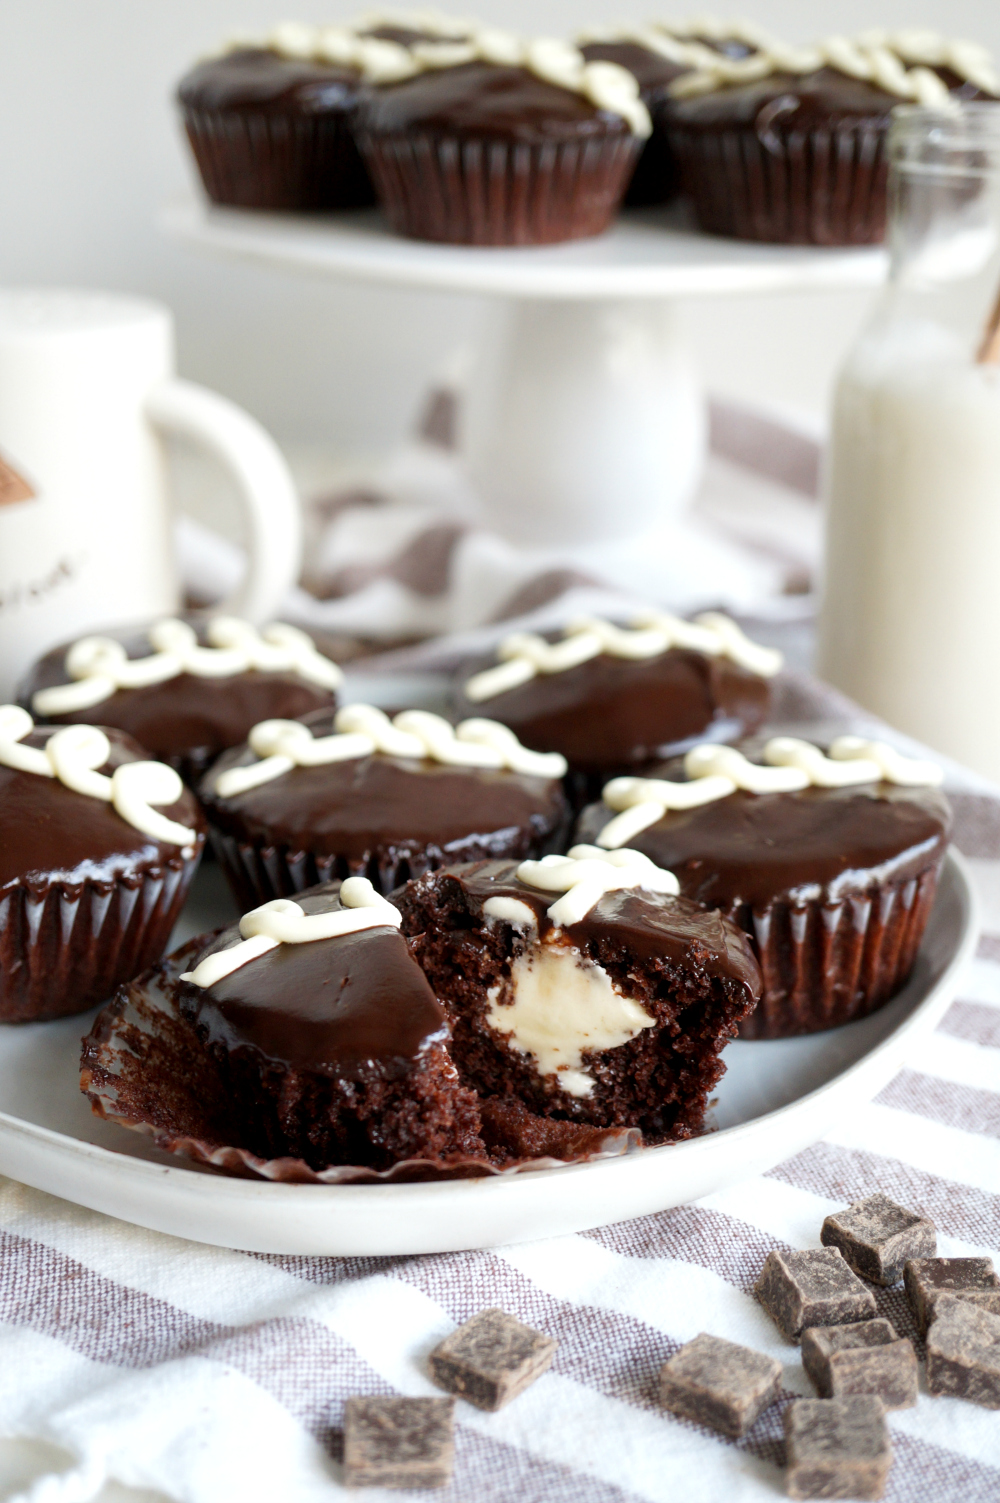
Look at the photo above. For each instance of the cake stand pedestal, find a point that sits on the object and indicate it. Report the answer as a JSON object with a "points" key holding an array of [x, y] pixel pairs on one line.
{"points": [[582, 421]]}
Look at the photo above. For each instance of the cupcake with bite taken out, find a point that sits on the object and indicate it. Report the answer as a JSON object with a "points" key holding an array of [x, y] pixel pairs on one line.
{"points": [[830, 862], [98, 849]]}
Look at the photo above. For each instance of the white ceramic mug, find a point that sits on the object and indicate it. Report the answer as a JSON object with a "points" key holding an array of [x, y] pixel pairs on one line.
{"points": [[86, 389]]}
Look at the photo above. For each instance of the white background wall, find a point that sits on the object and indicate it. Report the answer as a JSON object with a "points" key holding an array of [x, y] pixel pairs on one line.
{"points": [[90, 148]]}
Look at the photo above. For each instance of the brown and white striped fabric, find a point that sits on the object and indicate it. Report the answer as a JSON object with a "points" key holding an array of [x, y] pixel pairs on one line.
{"points": [[207, 1374]]}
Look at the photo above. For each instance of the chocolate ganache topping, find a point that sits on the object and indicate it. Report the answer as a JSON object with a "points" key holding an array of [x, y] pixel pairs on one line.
{"points": [[488, 100], [187, 719], [748, 849], [347, 1006], [261, 79], [631, 922], [51, 833], [375, 804]]}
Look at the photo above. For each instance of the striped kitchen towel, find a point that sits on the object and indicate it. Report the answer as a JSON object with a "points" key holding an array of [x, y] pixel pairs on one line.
{"points": [[211, 1375]]}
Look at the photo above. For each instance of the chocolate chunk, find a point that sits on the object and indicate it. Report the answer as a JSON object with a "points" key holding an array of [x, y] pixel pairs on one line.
{"points": [[867, 1357], [876, 1236], [491, 1359], [970, 1279], [814, 1288], [719, 1384], [398, 1442], [837, 1448], [963, 1352]]}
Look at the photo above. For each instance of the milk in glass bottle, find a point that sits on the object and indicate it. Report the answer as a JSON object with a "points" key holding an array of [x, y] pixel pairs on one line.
{"points": [[910, 620]]}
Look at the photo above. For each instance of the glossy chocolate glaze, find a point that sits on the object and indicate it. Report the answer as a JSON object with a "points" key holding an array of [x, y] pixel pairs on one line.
{"points": [[372, 806], [647, 925], [49, 833], [343, 1007], [186, 721], [485, 100], [791, 102], [821, 844], [612, 713], [255, 78], [651, 70]]}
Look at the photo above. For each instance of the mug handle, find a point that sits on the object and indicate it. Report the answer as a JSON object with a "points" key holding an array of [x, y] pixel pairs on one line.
{"points": [[267, 491]]}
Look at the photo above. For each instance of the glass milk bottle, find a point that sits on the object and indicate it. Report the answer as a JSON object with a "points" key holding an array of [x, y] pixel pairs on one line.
{"points": [[910, 620]]}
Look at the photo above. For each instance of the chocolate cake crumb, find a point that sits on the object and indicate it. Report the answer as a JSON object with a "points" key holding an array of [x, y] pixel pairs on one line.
{"points": [[877, 1237], [837, 1448], [398, 1442], [813, 1288], [969, 1279], [864, 1357], [491, 1359], [719, 1384]]}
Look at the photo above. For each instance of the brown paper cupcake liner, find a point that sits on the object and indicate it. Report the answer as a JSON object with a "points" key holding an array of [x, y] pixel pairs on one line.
{"points": [[144, 1067], [825, 964], [268, 160], [65, 946], [257, 872], [816, 187], [494, 192]]}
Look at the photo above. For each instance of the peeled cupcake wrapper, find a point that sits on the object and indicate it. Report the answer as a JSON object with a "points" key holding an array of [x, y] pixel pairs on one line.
{"points": [[144, 1067], [825, 964], [494, 192], [271, 160], [823, 186], [65, 946]]}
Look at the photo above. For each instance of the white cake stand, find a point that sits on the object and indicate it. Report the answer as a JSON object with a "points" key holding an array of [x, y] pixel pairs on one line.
{"points": [[582, 420]]}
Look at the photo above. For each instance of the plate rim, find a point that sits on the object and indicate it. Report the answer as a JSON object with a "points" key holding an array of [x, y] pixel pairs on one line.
{"points": [[238, 1190]]}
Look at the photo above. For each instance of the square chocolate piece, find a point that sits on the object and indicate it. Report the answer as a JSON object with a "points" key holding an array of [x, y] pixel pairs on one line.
{"points": [[963, 1352], [491, 1359], [970, 1279], [837, 1448], [876, 1237], [867, 1357], [719, 1384], [814, 1288], [398, 1442]]}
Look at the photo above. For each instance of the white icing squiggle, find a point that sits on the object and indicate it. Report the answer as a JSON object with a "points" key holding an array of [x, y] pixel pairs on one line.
{"points": [[73, 755], [587, 873], [283, 922], [715, 772], [524, 655], [361, 730], [878, 57], [100, 666], [605, 85]]}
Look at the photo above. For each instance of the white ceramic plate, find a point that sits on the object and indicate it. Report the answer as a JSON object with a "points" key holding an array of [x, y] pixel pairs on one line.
{"points": [[775, 1099]]}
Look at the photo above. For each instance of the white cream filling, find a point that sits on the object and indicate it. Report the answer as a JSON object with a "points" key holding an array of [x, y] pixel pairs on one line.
{"points": [[559, 1005]]}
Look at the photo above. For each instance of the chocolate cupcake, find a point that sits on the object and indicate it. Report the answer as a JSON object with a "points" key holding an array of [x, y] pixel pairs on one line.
{"points": [[186, 690], [829, 863], [789, 145], [353, 793], [306, 1045], [501, 142], [613, 700], [582, 987], [655, 55], [98, 851]]}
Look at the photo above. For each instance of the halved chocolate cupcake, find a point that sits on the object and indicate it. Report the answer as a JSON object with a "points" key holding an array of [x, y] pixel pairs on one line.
{"points": [[497, 141], [187, 690], [582, 987], [788, 145], [829, 863], [98, 849], [613, 700], [353, 793]]}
